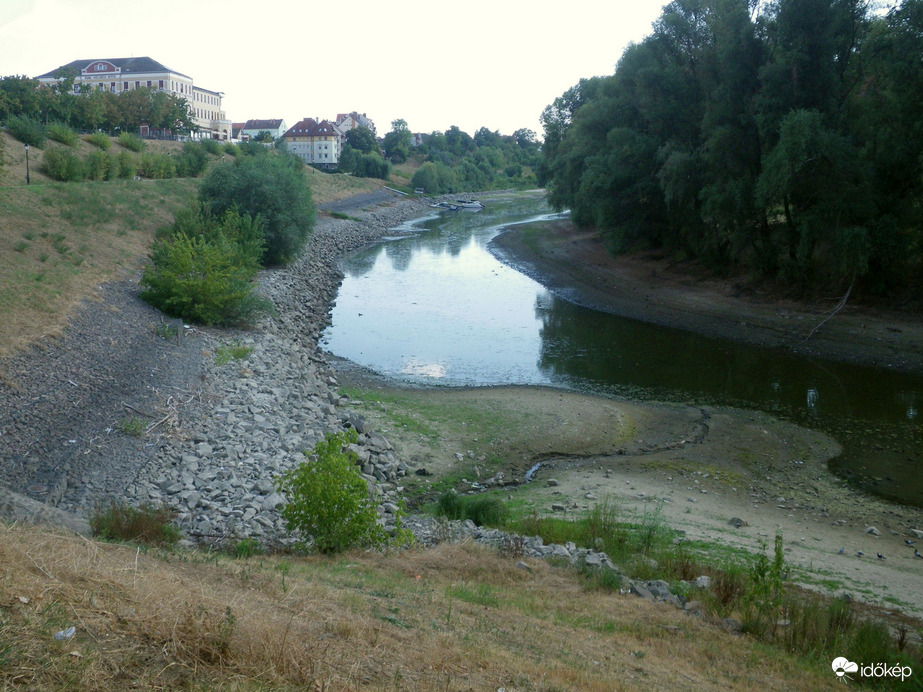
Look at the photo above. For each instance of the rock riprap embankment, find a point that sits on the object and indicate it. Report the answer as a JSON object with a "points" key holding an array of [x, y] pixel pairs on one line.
{"points": [[263, 411]]}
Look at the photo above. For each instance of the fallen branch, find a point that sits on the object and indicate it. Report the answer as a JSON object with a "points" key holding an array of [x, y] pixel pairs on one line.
{"points": [[835, 310]]}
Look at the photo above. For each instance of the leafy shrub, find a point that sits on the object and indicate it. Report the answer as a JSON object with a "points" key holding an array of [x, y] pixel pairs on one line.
{"points": [[98, 139], [127, 166], [132, 142], [211, 146], [230, 149], [156, 166], [203, 273], [98, 165], [60, 132], [481, 509], [271, 186], [193, 159], [63, 164], [146, 524], [329, 500], [27, 130]]}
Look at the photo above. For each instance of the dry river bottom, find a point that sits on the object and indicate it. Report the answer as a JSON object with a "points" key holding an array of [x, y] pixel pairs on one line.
{"points": [[732, 477]]}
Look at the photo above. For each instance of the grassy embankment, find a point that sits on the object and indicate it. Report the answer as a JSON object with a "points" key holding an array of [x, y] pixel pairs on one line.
{"points": [[457, 617], [59, 241]]}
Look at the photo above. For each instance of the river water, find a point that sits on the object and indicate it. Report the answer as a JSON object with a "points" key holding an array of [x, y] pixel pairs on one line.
{"points": [[438, 309]]}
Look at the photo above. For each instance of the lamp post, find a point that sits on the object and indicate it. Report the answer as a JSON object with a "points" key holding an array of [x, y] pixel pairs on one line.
{"points": [[27, 164]]}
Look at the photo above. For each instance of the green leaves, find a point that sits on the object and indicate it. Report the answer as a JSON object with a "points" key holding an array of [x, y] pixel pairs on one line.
{"points": [[328, 499], [272, 187]]}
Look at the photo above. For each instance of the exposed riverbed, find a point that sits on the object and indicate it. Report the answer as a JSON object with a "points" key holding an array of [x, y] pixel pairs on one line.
{"points": [[440, 309]]}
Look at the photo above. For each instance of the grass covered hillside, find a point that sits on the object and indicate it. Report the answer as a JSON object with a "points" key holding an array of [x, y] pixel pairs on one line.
{"points": [[59, 241]]}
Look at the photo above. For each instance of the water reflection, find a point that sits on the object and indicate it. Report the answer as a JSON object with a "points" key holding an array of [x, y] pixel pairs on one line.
{"points": [[438, 308]]}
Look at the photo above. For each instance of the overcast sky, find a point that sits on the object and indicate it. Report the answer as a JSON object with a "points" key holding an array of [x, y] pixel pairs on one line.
{"points": [[491, 63]]}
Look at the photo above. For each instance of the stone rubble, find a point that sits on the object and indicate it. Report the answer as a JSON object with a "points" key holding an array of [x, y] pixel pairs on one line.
{"points": [[262, 412]]}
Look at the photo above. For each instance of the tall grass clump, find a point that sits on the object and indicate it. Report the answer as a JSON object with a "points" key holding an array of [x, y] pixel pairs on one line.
{"points": [[203, 272], [27, 130], [481, 509], [147, 524], [99, 139], [60, 132], [131, 142]]}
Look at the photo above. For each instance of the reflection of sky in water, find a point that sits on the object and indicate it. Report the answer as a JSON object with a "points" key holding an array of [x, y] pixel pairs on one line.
{"points": [[453, 314], [438, 308]]}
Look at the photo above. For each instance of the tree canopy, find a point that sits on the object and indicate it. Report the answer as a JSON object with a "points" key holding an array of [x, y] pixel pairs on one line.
{"points": [[92, 109], [782, 136]]}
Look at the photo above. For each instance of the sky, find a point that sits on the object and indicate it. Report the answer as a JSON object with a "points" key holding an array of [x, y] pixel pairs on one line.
{"points": [[478, 63]]}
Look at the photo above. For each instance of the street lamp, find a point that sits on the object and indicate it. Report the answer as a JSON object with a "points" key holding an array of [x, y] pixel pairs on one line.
{"points": [[27, 164]]}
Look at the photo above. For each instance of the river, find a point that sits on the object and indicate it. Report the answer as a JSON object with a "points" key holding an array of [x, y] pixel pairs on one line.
{"points": [[438, 309]]}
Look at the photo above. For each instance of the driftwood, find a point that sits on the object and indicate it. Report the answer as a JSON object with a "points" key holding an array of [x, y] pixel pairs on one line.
{"points": [[833, 313]]}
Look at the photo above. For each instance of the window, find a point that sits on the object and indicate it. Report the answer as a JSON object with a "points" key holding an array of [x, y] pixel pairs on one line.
{"points": [[148, 84], [161, 84]]}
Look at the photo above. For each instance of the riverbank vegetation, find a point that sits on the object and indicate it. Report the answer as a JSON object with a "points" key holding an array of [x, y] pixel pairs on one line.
{"points": [[779, 137], [453, 160]]}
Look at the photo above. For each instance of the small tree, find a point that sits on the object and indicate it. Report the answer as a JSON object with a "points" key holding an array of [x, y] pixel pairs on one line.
{"points": [[204, 271], [329, 500]]}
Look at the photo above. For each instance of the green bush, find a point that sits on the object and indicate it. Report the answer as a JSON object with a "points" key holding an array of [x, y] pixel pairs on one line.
{"points": [[27, 130], [60, 132], [193, 159], [481, 509], [98, 165], [211, 146], [203, 273], [328, 499], [132, 142], [156, 166], [127, 165], [98, 139], [146, 524], [63, 164], [271, 186]]}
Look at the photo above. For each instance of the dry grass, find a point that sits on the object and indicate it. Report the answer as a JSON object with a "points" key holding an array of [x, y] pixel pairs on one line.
{"points": [[456, 617], [59, 241]]}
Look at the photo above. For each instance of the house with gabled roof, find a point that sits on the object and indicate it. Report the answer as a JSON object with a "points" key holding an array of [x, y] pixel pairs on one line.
{"points": [[125, 74], [350, 121], [252, 128], [315, 143]]}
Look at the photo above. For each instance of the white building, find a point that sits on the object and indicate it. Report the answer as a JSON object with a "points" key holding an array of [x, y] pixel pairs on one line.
{"points": [[124, 74]]}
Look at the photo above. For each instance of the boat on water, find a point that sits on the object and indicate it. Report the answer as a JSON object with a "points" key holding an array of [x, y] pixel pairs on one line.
{"points": [[445, 205], [470, 204]]}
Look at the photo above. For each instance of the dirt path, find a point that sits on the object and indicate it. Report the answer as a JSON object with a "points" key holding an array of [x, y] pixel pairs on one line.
{"points": [[575, 264]]}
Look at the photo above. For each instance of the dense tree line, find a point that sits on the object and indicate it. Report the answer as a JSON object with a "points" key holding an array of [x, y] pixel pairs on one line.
{"points": [[92, 109], [454, 160], [782, 136]]}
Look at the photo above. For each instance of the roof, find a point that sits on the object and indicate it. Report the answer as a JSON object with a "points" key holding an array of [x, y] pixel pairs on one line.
{"points": [[302, 128], [272, 124], [128, 66]]}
